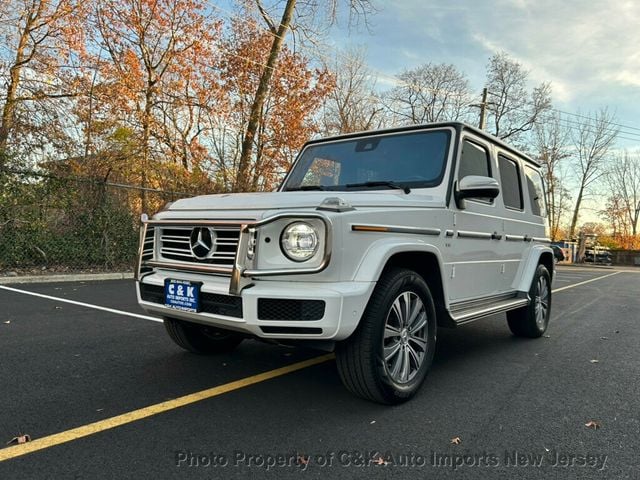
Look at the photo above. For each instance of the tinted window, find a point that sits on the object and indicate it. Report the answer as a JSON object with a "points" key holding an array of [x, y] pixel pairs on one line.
{"points": [[416, 159], [536, 191], [473, 161], [511, 187]]}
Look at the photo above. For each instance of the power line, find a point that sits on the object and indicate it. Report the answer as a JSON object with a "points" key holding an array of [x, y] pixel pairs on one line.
{"points": [[576, 127], [395, 79], [594, 119], [399, 81], [592, 129]]}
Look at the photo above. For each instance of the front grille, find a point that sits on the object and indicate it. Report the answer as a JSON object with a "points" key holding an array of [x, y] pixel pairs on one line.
{"points": [[175, 246], [147, 248], [289, 309], [213, 303], [151, 293]]}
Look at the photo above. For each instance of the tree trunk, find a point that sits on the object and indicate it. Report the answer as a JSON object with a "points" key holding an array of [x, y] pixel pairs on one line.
{"points": [[243, 181], [9, 109], [146, 135], [576, 212]]}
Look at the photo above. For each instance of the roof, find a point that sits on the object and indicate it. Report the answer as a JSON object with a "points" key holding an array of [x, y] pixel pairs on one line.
{"points": [[458, 126]]}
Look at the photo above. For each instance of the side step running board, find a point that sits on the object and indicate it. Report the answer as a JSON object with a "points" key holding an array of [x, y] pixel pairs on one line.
{"points": [[473, 313]]}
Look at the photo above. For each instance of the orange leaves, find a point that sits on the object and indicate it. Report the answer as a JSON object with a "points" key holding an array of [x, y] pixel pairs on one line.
{"points": [[158, 87], [295, 93], [34, 40], [154, 78]]}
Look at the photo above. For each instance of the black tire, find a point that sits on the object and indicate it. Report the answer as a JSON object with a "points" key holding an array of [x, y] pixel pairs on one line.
{"points": [[201, 339], [532, 321], [361, 361]]}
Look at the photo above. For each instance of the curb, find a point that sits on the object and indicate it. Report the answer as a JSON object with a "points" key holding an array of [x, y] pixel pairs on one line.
{"points": [[620, 268], [586, 265], [79, 277]]}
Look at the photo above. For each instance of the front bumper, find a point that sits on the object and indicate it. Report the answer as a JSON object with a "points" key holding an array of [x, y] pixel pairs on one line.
{"points": [[343, 302]]}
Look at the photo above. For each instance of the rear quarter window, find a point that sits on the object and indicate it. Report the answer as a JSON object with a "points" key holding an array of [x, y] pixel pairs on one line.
{"points": [[535, 189], [510, 183]]}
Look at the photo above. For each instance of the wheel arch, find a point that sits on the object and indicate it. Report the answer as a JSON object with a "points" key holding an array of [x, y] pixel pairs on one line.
{"points": [[546, 259], [538, 255], [424, 259]]}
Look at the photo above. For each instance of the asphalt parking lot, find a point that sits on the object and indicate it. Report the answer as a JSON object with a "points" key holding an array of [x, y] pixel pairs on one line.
{"points": [[104, 393]]}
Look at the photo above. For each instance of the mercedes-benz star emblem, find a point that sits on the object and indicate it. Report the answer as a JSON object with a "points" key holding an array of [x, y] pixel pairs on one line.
{"points": [[202, 242]]}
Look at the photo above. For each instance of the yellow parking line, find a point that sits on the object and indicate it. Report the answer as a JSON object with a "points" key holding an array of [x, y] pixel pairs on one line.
{"points": [[86, 430], [129, 417]]}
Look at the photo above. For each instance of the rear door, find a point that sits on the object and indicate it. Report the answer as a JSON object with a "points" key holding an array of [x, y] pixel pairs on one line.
{"points": [[516, 227]]}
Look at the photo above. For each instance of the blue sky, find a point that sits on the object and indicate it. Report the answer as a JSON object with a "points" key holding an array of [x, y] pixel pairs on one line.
{"points": [[588, 49]]}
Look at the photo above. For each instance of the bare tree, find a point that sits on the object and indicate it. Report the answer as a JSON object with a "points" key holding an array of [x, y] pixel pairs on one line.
{"points": [[430, 93], [302, 11], [352, 105], [512, 108], [613, 213], [592, 140], [623, 179], [551, 141]]}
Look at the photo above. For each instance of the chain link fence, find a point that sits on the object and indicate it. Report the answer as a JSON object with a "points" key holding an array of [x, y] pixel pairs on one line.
{"points": [[70, 224]]}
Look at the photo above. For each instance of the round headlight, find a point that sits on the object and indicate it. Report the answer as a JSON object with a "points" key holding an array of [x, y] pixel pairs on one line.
{"points": [[299, 241]]}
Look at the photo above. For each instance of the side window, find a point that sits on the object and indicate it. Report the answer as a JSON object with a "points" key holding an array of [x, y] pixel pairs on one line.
{"points": [[510, 180], [536, 191], [474, 160]]}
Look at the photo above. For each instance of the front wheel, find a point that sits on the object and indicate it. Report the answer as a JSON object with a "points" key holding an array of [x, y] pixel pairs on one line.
{"points": [[532, 321], [202, 339], [388, 356]]}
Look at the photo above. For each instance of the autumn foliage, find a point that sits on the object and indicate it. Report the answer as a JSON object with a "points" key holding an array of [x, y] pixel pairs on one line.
{"points": [[153, 93], [296, 91]]}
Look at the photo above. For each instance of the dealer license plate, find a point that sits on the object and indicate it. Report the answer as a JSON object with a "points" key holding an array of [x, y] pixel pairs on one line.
{"points": [[182, 295]]}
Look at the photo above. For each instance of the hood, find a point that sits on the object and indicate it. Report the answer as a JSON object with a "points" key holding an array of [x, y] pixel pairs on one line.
{"points": [[257, 202]]}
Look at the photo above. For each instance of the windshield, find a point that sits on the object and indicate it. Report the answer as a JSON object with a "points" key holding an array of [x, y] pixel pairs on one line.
{"points": [[412, 159]]}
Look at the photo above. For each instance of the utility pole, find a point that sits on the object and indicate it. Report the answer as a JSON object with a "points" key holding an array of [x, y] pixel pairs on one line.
{"points": [[483, 109]]}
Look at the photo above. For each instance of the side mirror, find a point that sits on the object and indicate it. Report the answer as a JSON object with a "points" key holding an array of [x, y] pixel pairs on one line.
{"points": [[474, 186]]}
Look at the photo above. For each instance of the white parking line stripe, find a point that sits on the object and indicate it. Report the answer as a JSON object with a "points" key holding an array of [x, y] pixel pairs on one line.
{"points": [[583, 283], [154, 319], [82, 304]]}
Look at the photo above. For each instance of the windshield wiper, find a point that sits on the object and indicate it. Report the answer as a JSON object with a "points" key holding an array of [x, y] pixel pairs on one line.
{"points": [[305, 187], [380, 183]]}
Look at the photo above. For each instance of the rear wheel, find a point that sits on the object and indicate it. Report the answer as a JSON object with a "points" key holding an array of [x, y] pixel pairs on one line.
{"points": [[388, 356], [532, 321], [202, 339]]}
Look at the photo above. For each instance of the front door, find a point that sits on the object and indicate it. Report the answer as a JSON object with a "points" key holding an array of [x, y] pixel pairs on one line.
{"points": [[475, 264]]}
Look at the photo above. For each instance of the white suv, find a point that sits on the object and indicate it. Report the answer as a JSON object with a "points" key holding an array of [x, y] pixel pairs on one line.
{"points": [[373, 241]]}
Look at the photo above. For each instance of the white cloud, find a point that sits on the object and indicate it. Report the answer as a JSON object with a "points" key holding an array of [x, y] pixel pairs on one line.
{"points": [[587, 49], [580, 46]]}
